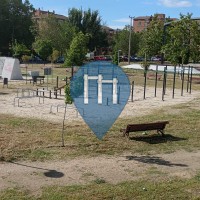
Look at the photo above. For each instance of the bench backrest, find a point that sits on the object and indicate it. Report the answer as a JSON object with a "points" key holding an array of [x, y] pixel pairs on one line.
{"points": [[146, 126]]}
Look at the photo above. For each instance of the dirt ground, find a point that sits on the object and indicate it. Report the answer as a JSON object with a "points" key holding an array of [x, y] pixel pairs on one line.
{"points": [[34, 175], [112, 169]]}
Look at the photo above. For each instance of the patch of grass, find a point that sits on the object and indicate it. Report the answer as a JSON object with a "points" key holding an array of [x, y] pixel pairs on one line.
{"points": [[39, 154], [197, 177], [33, 139], [99, 181], [155, 172], [183, 189], [15, 194], [138, 77]]}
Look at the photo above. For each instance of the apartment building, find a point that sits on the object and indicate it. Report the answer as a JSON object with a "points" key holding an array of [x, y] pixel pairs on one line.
{"points": [[40, 14], [141, 23]]}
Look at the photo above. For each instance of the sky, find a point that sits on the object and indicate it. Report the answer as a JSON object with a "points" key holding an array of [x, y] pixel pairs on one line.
{"points": [[116, 13]]}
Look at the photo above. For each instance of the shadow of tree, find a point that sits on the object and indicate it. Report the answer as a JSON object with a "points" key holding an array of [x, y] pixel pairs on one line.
{"points": [[156, 139], [53, 174], [154, 160], [49, 173], [4, 93]]}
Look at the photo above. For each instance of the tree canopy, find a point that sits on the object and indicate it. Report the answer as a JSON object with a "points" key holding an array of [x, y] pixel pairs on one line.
{"points": [[152, 39], [183, 41], [121, 41], [88, 22], [59, 33], [77, 51], [15, 23], [43, 48]]}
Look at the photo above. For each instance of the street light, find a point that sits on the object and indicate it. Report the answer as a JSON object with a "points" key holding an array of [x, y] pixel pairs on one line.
{"points": [[129, 46], [118, 56]]}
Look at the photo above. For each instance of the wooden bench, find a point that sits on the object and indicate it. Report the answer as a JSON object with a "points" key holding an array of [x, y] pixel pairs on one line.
{"points": [[159, 126], [153, 76]]}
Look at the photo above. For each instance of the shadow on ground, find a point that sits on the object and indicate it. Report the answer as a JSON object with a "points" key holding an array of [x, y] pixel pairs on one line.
{"points": [[48, 172], [156, 139], [4, 93], [154, 160]]}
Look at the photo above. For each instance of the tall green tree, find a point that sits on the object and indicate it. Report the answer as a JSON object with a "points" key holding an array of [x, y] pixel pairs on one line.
{"points": [[152, 38], [19, 49], [43, 48], [15, 23], [121, 41], [59, 33], [89, 22], [183, 41], [194, 41], [77, 51]]}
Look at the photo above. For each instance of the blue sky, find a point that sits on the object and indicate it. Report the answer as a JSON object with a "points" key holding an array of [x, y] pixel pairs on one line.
{"points": [[115, 13]]}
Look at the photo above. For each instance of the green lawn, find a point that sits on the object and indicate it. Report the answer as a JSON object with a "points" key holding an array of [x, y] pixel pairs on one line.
{"points": [[169, 189], [33, 139]]}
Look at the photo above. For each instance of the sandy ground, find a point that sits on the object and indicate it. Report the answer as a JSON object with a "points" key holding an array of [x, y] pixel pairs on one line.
{"points": [[53, 109], [113, 169]]}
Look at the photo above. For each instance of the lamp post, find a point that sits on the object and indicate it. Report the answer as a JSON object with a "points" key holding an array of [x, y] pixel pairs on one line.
{"points": [[163, 40], [129, 46], [118, 56]]}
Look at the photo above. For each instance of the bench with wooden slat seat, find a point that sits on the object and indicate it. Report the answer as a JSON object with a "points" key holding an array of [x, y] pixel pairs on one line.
{"points": [[159, 126]]}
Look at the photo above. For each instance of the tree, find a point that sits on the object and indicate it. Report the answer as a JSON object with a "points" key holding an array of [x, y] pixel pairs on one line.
{"points": [[55, 55], [19, 49], [183, 41], [152, 38], [43, 48], [68, 97], [194, 42], [59, 33], [115, 58], [15, 23], [121, 41], [89, 22], [77, 51]]}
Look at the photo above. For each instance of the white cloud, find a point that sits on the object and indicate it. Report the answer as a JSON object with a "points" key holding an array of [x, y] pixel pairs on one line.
{"points": [[123, 20], [175, 3]]}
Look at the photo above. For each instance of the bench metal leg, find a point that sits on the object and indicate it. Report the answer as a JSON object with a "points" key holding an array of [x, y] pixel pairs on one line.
{"points": [[160, 132]]}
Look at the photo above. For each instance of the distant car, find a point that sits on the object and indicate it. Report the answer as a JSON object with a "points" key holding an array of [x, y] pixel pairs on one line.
{"points": [[155, 58], [61, 59], [108, 58], [100, 58], [123, 58], [132, 59], [137, 59], [36, 59]]}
